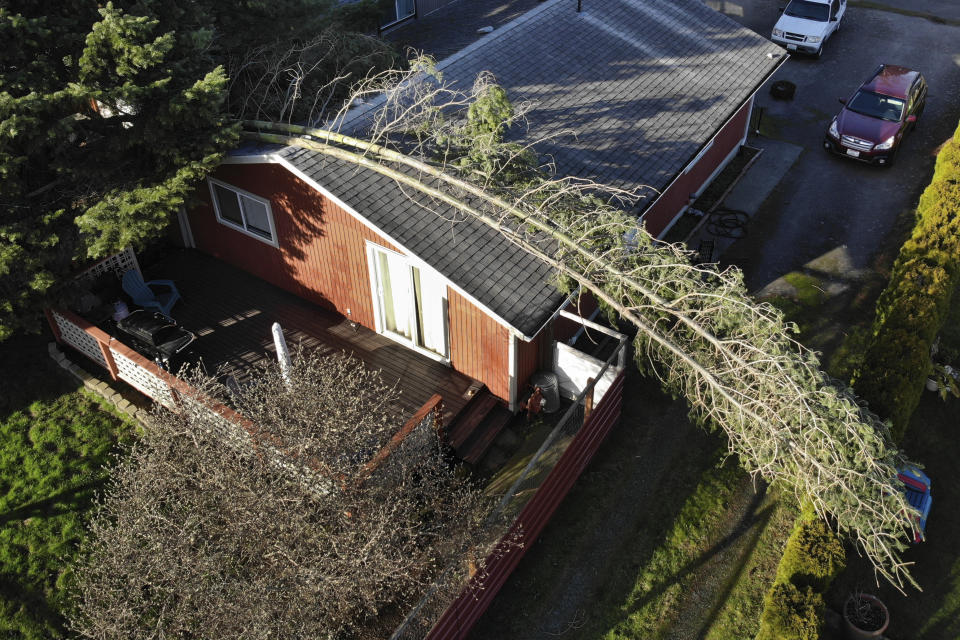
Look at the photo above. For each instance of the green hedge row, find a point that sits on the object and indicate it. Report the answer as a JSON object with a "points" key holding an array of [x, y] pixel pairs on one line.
{"points": [[910, 313], [813, 557], [912, 309]]}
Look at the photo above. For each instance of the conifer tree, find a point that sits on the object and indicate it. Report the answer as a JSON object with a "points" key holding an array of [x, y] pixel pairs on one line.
{"points": [[108, 118]]}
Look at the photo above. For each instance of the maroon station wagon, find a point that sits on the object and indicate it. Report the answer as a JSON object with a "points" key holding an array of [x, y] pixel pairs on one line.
{"points": [[874, 120]]}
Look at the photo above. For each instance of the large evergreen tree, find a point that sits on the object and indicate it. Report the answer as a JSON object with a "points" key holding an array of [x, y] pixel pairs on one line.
{"points": [[111, 114], [108, 118]]}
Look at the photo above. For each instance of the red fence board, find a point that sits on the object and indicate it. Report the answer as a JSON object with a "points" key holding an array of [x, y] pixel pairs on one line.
{"points": [[459, 618]]}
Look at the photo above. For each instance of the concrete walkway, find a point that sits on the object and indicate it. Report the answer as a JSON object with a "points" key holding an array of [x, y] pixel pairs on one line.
{"points": [[754, 186]]}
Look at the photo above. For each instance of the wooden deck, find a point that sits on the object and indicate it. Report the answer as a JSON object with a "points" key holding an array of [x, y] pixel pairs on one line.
{"points": [[232, 311]]}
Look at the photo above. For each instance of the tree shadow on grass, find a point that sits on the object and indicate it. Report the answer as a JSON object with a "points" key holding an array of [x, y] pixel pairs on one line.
{"points": [[28, 374], [32, 614], [751, 518], [73, 499], [947, 626], [756, 524]]}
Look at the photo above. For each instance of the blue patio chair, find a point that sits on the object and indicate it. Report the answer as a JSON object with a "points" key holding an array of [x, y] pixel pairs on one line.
{"points": [[145, 297]]}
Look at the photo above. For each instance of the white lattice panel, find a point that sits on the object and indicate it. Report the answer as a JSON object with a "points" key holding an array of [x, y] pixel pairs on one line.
{"points": [[222, 427], [79, 339], [149, 383], [235, 436], [117, 264]]}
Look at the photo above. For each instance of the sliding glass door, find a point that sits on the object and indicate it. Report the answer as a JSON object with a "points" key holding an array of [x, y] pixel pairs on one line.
{"points": [[411, 302]]}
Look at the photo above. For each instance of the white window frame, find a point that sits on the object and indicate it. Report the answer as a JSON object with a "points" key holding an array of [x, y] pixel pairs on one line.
{"points": [[272, 240], [379, 323]]}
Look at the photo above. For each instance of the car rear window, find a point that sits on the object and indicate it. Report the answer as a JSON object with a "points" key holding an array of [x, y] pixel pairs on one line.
{"points": [[877, 105], [809, 10]]}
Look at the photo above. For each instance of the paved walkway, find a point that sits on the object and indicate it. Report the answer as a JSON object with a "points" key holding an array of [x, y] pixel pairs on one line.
{"points": [[756, 184]]}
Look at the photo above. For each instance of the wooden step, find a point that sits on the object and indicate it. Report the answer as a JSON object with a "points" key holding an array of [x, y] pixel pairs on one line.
{"points": [[486, 432], [470, 416]]}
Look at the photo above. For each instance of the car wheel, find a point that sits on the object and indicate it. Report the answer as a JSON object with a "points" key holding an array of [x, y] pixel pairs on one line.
{"points": [[892, 160], [819, 52]]}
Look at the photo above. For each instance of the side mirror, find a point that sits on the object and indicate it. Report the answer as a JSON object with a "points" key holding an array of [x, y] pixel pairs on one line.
{"points": [[834, 19], [842, 100], [911, 118]]}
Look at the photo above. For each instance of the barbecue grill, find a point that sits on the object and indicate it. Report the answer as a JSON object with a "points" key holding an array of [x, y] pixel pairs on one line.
{"points": [[156, 336]]}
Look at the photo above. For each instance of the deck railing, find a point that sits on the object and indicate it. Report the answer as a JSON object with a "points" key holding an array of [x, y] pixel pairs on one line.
{"points": [[530, 502], [117, 264], [149, 378]]}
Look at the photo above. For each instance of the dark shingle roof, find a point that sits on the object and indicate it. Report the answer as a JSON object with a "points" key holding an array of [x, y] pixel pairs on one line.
{"points": [[497, 273], [643, 83], [625, 92]]}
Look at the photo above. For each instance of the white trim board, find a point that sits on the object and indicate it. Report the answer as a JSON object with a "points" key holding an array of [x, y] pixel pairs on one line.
{"points": [[370, 249], [273, 240]]}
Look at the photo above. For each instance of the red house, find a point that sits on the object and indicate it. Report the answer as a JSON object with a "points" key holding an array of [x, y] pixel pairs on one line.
{"points": [[647, 96], [653, 97], [354, 241]]}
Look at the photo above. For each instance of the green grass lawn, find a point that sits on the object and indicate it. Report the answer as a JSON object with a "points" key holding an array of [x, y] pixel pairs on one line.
{"points": [[55, 443]]}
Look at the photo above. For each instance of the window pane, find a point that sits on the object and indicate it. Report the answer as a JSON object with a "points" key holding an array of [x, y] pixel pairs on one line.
{"points": [[228, 204], [257, 216], [429, 293], [394, 283]]}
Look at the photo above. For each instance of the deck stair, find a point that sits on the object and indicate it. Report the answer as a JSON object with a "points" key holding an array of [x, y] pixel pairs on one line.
{"points": [[477, 426]]}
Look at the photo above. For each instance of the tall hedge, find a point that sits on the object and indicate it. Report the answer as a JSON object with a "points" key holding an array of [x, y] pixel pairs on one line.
{"points": [[910, 313], [912, 309], [813, 557]]}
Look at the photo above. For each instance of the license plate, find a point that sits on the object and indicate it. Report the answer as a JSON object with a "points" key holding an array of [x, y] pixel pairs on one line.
{"points": [[852, 153], [791, 47]]}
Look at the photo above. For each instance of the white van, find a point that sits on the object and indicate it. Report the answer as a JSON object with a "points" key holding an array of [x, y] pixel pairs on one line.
{"points": [[806, 24]]}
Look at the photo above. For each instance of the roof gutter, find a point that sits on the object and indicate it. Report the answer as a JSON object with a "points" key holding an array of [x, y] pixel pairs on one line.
{"points": [[553, 316]]}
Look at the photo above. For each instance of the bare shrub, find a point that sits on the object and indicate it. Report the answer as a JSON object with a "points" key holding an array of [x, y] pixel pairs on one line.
{"points": [[205, 536]]}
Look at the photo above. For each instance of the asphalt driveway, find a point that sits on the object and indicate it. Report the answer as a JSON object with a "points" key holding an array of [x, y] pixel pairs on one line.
{"points": [[825, 202]]}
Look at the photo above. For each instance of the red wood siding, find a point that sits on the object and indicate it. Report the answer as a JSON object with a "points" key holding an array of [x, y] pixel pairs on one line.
{"points": [[479, 345], [322, 257], [529, 360], [322, 254], [659, 216], [457, 621]]}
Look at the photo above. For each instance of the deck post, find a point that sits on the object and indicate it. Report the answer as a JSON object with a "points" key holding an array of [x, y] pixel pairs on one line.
{"points": [[588, 399], [438, 418], [108, 356], [53, 326]]}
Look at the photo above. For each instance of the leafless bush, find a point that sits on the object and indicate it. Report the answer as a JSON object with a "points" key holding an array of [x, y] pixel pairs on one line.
{"points": [[198, 537], [301, 82]]}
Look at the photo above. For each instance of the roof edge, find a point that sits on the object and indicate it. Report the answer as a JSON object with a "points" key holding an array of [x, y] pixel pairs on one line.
{"points": [[274, 158]]}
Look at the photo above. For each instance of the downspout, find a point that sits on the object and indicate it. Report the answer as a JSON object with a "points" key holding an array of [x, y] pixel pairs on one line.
{"points": [[513, 367]]}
